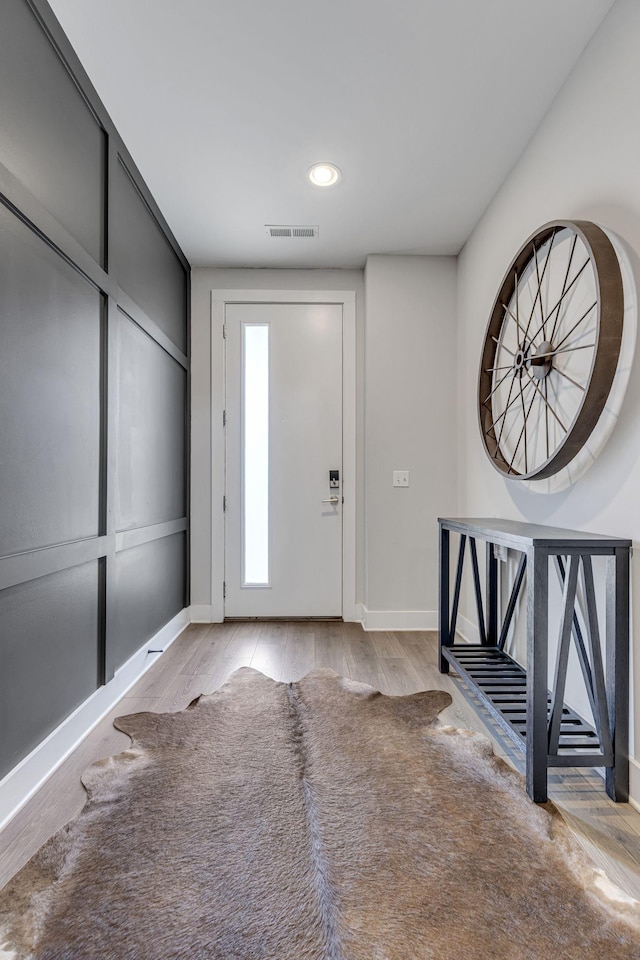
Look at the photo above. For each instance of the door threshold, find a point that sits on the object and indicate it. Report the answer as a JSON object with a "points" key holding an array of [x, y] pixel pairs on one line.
{"points": [[282, 619]]}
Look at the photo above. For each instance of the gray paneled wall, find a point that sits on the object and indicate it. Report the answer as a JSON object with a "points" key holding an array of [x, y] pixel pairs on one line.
{"points": [[93, 391]]}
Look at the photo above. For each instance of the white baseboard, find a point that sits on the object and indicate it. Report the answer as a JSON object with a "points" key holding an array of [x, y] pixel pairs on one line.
{"points": [[399, 619], [28, 776], [634, 783], [202, 613]]}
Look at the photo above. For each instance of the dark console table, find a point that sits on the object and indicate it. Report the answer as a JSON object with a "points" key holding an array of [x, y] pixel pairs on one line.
{"points": [[536, 719]]}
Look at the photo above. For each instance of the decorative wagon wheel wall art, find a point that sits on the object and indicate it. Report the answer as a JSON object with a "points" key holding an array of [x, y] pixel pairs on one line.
{"points": [[551, 349]]}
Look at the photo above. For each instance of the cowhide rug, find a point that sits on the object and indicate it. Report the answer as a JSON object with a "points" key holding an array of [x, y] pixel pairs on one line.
{"points": [[317, 820]]}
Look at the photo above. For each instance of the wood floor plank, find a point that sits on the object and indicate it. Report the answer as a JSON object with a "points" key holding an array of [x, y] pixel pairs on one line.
{"points": [[386, 644], [155, 680], [420, 648], [243, 642], [200, 660], [206, 652], [300, 652], [181, 691], [331, 653], [363, 662], [402, 678], [275, 631], [186, 642], [268, 659]]}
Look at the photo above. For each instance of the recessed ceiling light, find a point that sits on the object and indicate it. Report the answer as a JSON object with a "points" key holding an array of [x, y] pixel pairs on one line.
{"points": [[323, 174]]}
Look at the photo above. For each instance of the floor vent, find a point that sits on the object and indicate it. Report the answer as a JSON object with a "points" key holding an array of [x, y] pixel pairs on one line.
{"points": [[291, 231]]}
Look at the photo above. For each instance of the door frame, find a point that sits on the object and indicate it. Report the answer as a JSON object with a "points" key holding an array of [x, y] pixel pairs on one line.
{"points": [[346, 299]]}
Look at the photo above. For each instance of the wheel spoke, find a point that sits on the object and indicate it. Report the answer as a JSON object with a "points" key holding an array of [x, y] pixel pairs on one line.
{"points": [[571, 380], [524, 425], [538, 296], [534, 433], [556, 399], [513, 423], [569, 288], [577, 324], [549, 407], [503, 347], [506, 409], [510, 312], [564, 282], [546, 414], [504, 412], [509, 430], [501, 380], [522, 432], [552, 353]]}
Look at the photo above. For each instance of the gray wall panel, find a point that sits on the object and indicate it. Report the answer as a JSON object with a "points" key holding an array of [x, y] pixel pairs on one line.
{"points": [[149, 591], [147, 268], [49, 655], [48, 136], [93, 409], [151, 390], [50, 330]]}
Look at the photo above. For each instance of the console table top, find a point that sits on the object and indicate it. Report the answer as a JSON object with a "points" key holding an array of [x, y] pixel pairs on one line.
{"points": [[518, 534]]}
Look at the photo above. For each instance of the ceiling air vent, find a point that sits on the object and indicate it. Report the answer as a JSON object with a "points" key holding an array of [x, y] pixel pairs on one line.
{"points": [[292, 231]]}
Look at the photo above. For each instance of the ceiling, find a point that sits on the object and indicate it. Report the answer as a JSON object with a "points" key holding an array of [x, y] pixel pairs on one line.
{"points": [[425, 105]]}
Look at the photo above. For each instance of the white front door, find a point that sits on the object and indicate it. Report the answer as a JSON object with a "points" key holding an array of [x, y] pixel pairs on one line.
{"points": [[283, 520]]}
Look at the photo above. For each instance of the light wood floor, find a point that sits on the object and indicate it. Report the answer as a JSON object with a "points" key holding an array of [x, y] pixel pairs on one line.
{"points": [[395, 663]]}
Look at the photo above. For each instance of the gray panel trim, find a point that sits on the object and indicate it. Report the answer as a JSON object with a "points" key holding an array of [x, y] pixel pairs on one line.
{"points": [[35, 215], [187, 452], [58, 39], [103, 479], [70, 59], [151, 209], [108, 579], [136, 314], [52, 139], [30, 211], [110, 184], [111, 317], [157, 531], [102, 621], [39, 563]]}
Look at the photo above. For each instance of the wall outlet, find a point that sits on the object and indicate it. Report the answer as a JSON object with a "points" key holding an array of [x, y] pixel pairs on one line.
{"points": [[401, 478]]}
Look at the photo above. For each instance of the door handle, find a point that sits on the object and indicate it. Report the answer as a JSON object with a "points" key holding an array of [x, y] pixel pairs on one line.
{"points": [[331, 500]]}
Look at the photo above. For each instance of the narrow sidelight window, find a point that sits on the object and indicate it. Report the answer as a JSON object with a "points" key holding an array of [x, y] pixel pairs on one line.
{"points": [[256, 455]]}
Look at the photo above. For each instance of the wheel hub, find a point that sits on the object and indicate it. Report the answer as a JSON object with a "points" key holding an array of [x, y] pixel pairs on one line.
{"points": [[520, 360], [540, 362]]}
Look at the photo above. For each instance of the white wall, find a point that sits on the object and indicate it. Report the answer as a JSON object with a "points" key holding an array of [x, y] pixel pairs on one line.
{"points": [[582, 163], [203, 281], [409, 380], [410, 424]]}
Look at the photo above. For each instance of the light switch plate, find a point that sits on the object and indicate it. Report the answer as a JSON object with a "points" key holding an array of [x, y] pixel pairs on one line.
{"points": [[401, 478]]}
